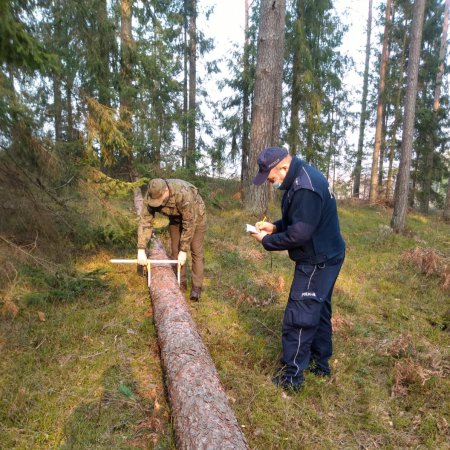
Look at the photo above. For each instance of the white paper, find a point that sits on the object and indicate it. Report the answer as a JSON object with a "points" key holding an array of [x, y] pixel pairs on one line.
{"points": [[250, 229]]}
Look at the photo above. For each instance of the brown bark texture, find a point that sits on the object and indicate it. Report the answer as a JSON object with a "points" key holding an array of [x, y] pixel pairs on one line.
{"points": [[202, 416], [402, 184], [266, 106]]}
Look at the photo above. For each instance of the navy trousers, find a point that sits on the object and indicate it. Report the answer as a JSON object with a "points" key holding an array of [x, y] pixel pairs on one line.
{"points": [[307, 332]]}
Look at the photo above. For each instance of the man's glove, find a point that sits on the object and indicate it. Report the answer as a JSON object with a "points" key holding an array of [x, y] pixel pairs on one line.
{"points": [[142, 257], [182, 258]]}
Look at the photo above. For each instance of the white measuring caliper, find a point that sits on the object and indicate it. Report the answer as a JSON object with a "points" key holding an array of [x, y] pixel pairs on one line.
{"points": [[149, 263]]}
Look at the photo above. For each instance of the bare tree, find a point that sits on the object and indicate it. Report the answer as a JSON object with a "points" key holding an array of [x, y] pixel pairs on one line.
{"points": [[363, 118], [266, 108], [402, 185], [373, 194]]}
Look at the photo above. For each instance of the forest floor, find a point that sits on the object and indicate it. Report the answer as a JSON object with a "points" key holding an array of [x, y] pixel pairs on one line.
{"points": [[80, 369]]}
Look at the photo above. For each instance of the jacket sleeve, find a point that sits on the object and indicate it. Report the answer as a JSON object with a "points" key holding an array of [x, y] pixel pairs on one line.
{"points": [[185, 204], [303, 217], [279, 225], [145, 226]]}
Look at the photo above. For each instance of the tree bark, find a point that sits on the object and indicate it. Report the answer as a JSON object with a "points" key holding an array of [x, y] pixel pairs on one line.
{"points": [[69, 106], [397, 119], [245, 102], [294, 127], [363, 118], [265, 103], [184, 126], [373, 194], [382, 149], [446, 213], [127, 48], [57, 106], [402, 185], [202, 416]]}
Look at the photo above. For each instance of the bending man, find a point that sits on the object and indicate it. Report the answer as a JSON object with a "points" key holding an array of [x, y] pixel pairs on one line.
{"points": [[309, 230], [181, 202]]}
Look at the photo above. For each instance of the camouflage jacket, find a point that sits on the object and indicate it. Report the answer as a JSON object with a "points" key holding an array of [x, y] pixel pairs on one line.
{"points": [[184, 206]]}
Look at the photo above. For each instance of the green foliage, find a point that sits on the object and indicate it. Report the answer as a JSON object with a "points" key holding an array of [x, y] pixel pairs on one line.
{"points": [[18, 48], [61, 286], [105, 128]]}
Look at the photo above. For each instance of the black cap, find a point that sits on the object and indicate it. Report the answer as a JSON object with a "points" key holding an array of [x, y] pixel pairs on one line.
{"points": [[267, 160]]}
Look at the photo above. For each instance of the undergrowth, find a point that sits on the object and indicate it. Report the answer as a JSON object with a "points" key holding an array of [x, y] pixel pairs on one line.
{"points": [[80, 362]]}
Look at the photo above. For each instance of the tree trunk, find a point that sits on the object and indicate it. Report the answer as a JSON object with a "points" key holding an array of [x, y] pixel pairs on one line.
{"points": [[69, 106], [438, 86], [126, 46], [401, 188], [265, 103], [397, 119], [245, 102], [191, 150], [57, 106], [278, 75], [294, 127], [57, 97], [373, 194], [446, 213], [429, 161], [103, 73], [382, 150], [363, 118], [184, 127], [202, 416]]}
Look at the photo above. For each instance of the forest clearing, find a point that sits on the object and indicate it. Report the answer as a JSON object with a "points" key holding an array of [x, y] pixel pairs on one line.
{"points": [[124, 132], [80, 361]]}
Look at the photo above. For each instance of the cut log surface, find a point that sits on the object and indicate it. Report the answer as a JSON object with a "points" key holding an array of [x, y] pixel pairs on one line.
{"points": [[202, 416]]}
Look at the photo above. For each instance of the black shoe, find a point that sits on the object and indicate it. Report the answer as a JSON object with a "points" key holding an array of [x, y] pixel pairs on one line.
{"points": [[287, 383], [195, 294]]}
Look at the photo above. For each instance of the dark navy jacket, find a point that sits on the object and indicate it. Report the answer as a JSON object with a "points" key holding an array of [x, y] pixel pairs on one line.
{"points": [[309, 227]]}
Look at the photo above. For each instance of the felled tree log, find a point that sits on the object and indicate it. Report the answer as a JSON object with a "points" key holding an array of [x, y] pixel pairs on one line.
{"points": [[202, 416]]}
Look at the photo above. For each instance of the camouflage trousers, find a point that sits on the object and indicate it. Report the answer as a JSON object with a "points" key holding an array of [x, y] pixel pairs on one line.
{"points": [[196, 251]]}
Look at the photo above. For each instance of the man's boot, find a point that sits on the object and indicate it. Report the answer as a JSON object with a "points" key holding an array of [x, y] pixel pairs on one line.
{"points": [[195, 293]]}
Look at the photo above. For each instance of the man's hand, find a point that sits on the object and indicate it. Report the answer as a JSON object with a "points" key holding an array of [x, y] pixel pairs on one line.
{"points": [[259, 236], [268, 227], [142, 257], [182, 258]]}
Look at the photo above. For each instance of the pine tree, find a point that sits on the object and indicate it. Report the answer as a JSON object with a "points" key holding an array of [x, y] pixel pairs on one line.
{"points": [[265, 109], [402, 185]]}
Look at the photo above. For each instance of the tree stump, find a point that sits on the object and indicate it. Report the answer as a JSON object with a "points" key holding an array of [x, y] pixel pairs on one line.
{"points": [[202, 416]]}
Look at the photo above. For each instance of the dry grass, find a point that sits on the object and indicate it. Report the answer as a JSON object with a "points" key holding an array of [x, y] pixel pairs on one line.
{"points": [[430, 262], [86, 373]]}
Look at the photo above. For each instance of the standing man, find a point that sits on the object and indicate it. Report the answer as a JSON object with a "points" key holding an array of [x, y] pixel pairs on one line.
{"points": [[181, 202], [309, 230]]}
